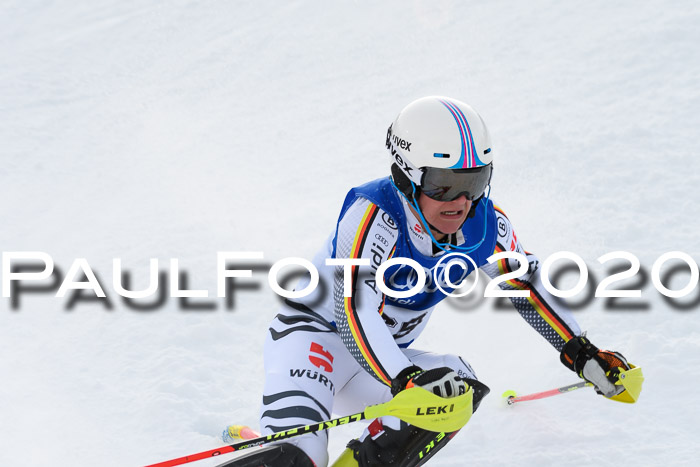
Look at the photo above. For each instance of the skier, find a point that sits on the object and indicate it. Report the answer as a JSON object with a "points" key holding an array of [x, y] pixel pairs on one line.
{"points": [[328, 352]]}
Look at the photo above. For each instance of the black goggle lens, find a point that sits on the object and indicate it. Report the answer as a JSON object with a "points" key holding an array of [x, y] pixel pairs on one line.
{"points": [[450, 184]]}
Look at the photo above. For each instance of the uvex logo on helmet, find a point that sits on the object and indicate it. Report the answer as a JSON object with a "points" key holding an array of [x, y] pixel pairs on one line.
{"points": [[402, 143], [403, 164]]}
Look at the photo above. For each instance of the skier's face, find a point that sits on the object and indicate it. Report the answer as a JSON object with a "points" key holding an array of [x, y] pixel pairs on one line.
{"points": [[447, 216]]}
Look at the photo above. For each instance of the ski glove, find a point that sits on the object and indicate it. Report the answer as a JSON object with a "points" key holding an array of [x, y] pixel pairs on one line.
{"points": [[441, 381], [599, 367]]}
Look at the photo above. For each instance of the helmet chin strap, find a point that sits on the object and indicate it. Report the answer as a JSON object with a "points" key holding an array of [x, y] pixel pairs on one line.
{"points": [[435, 229], [442, 245]]}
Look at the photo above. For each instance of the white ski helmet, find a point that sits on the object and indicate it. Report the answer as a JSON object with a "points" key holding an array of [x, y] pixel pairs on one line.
{"points": [[443, 147]]}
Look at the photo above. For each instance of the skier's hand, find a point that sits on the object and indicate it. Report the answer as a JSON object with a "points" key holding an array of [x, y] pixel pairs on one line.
{"points": [[600, 367], [442, 381]]}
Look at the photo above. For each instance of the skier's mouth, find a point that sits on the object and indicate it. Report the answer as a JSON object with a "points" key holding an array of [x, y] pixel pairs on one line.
{"points": [[452, 214]]}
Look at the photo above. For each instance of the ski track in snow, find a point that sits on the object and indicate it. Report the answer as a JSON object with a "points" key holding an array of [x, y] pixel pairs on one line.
{"points": [[179, 129]]}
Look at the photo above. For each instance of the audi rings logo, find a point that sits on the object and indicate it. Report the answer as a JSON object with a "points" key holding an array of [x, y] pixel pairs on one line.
{"points": [[389, 221], [437, 278]]}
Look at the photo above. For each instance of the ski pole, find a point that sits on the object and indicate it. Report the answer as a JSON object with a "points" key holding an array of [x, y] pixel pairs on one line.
{"points": [[416, 406], [513, 398], [631, 380], [246, 444]]}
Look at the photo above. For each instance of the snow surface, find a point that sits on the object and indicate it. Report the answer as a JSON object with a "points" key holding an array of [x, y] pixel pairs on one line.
{"points": [[177, 129]]}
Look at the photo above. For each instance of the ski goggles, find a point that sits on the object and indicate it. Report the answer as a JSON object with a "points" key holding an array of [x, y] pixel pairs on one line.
{"points": [[450, 184]]}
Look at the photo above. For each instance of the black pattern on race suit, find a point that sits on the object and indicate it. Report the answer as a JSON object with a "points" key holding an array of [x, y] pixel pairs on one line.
{"points": [[310, 322], [544, 312]]}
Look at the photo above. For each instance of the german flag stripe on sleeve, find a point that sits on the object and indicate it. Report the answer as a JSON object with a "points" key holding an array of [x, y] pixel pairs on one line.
{"points": [[350, 308], [500, 210], [538, 302], [391, 255]]}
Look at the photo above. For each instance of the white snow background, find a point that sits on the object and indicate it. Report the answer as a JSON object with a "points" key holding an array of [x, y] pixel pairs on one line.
{"points": [[177, 129]]}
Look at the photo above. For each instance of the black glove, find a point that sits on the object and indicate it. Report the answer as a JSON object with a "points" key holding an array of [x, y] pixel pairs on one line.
{"points": [[600, 367], [386, 448], [441, 381]]}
